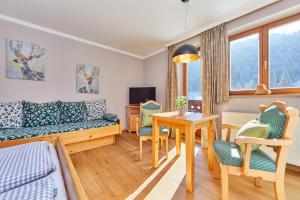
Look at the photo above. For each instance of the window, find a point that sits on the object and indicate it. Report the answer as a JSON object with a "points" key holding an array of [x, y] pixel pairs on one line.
{"points": [[244, 62], [268, 55], [284, 49], [194, 89], [192, 85]]}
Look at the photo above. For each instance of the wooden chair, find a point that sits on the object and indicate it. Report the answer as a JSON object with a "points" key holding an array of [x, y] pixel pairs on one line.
{"points": [[257, 164], [145, 133]]}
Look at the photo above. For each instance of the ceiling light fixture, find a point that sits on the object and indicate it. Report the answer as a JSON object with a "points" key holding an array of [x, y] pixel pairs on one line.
{"points": [[185, 53]]}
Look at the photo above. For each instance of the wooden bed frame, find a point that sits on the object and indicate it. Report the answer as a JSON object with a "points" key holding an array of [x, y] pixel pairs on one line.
{"points": [[72, 182], [73, 142]]}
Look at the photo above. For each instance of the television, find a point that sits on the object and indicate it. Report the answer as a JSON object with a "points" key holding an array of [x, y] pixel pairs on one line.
{"points": [[139, 95]]}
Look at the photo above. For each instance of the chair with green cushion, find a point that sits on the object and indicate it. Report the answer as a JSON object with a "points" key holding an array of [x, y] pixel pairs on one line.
{"points": [[230, 159], [144, 125]]}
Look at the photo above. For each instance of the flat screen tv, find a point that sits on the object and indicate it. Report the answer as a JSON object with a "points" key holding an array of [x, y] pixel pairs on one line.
{"points": [[139, 95]]}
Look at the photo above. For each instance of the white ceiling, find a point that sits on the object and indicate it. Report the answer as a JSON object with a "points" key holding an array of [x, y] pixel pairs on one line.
{"points": [[140, 27]]}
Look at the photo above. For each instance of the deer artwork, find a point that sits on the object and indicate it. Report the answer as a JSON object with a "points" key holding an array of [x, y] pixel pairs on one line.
{"points": [[35, 53], [87, 75]]}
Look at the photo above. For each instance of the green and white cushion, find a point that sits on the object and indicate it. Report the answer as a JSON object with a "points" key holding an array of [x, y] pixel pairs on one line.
{"points": [[72, 112], [253, 129], [147, 131], [95, 109], [147, 110], [276, 119], [18, 133], [110, 117], [11, 115], [228, 153], [40, 114], [146, 120]]}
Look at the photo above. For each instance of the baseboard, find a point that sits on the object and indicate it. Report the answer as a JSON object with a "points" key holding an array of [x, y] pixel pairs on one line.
{"points": [[294, 168]]}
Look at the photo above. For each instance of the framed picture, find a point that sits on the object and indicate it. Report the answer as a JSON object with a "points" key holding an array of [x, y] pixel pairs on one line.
{"points": [[87, 79], [25, 60]]}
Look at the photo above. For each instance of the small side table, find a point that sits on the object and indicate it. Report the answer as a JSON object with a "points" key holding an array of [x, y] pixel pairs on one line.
{"points": [[188, 123]]}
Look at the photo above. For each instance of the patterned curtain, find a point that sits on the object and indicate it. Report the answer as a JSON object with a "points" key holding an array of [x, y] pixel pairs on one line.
{"points": [[172, 86], [215, 79]]}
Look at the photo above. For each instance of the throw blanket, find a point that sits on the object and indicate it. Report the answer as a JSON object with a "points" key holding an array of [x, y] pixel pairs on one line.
{"points": [[41, 189], [24, 163]]}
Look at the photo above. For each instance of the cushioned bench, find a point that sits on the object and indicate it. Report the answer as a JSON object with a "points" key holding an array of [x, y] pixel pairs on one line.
{"points": [[19, 133], [83, 125]]}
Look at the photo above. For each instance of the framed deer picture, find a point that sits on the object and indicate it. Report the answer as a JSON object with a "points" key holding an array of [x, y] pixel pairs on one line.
{"points": [[25, 60], [87, 79]]}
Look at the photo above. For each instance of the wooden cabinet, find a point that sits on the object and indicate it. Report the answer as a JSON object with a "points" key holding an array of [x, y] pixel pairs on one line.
{"points": [[132, 112]]}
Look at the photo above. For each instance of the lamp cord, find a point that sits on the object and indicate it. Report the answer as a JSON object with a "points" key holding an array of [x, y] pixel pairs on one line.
{"points": [[186, 15]]}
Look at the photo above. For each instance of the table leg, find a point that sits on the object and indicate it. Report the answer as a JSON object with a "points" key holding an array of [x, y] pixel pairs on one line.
{"points": [[211, 137], [190, 158], [178, 142], [155, 143]]}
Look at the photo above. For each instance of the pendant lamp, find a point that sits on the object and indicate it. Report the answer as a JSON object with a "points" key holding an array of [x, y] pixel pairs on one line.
{"points": [[185, 53]]}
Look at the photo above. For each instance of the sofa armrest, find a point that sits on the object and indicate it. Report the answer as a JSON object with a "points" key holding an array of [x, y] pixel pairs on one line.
{"points": [[110, 117]]}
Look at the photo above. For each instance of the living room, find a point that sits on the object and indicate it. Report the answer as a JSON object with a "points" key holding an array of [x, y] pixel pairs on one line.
{"points": [[150, 100]]}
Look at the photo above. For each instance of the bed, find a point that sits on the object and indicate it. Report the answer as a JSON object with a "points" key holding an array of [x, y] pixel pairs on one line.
{"points": [[66, 133], [37, 171]]}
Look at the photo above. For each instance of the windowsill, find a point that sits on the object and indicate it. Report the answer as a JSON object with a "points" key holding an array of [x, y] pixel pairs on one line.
{"points": [[264, 96]]}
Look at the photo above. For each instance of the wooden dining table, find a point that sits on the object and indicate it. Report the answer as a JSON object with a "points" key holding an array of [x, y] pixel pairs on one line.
{"points": [[188, 124]]}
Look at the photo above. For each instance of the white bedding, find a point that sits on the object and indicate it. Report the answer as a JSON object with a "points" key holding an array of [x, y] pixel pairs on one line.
{"points": [[57, 176], [22, 164]]}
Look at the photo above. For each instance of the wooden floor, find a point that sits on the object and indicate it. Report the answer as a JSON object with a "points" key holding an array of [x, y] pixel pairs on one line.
{"points": [[114, 172]]}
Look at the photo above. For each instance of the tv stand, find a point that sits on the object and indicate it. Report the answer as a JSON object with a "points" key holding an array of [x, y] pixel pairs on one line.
{"points": [[132, 112]]}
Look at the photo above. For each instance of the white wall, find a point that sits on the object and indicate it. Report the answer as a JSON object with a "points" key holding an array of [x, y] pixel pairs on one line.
{"points": [[156, 73], [250, 104], [117, 71]]}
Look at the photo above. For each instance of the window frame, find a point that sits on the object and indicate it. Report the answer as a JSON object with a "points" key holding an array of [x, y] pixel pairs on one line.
{"points": [[264, 60], [260, 78]]}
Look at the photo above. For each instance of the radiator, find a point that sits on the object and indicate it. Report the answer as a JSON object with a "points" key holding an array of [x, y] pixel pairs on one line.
{"points": [[241, 118]]}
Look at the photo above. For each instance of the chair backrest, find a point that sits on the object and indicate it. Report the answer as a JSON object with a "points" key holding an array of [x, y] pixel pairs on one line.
{"points": [[276, 118], [150, 105], [282, 120]]}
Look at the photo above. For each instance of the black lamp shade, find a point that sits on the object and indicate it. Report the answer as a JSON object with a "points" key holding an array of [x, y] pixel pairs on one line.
{"points": [[185, 53]]}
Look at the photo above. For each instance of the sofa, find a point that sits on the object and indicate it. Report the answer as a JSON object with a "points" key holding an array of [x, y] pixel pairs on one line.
{"points": [[22, 122]]}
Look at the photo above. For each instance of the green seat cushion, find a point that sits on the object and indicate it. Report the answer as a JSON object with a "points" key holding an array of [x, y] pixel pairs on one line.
{"points": [[146, 119], [276, 119], [40, 114], [147, 131], [228, 153], [18, 133], [253, 129], [72, 112]]}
